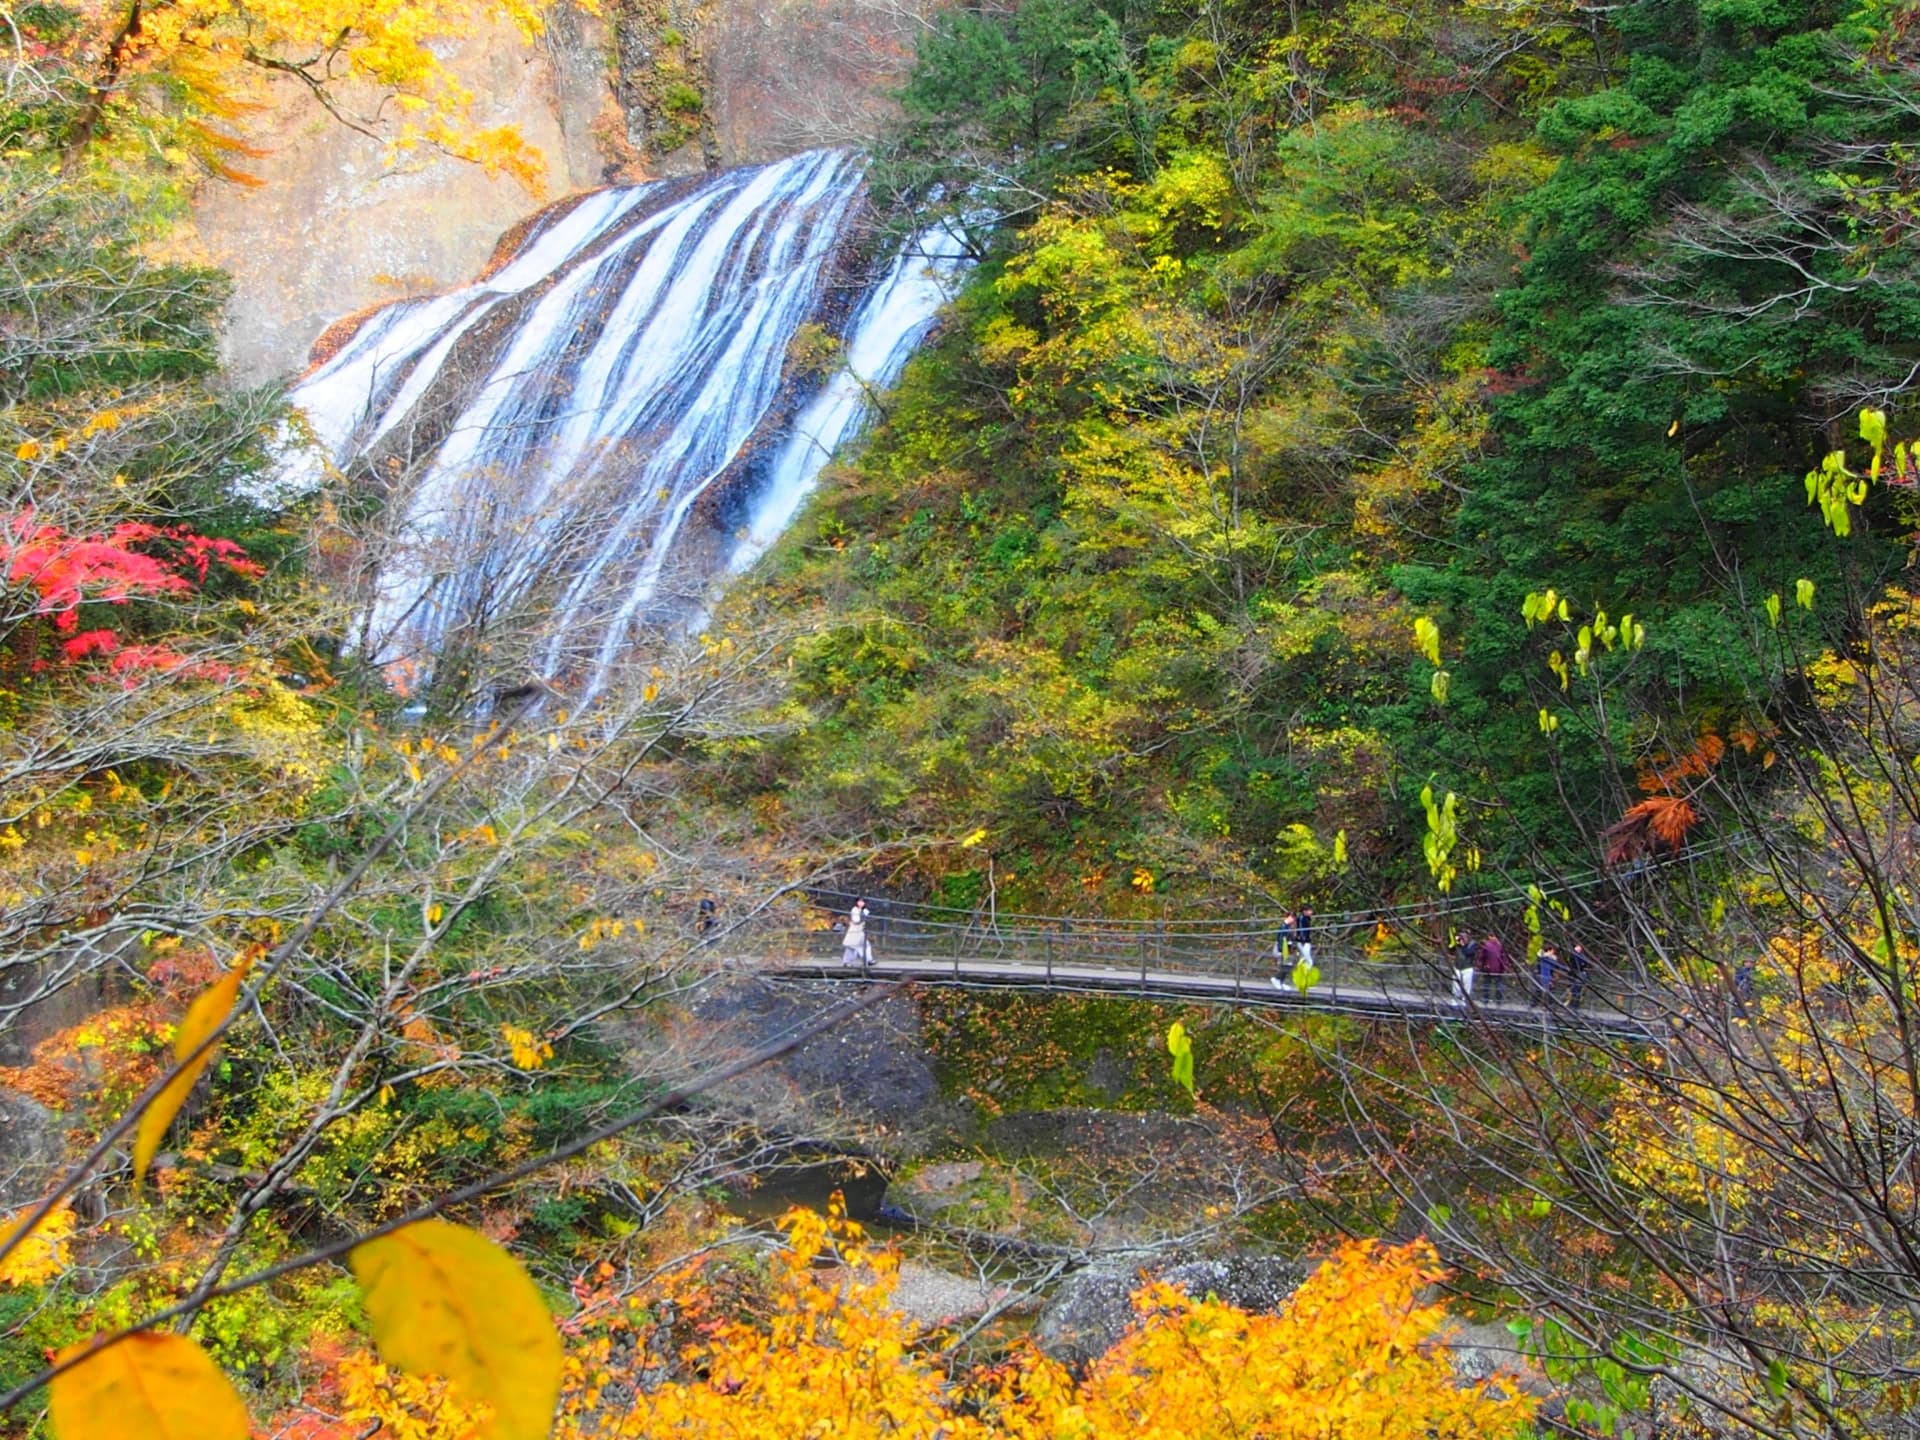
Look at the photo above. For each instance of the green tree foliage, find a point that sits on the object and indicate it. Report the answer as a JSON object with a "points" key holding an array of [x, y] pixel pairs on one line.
{"points": [[1109, 577], [1712, 274], [1002, 104], [1301, 324]]}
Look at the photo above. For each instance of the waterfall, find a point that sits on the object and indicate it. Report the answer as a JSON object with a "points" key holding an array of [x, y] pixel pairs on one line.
{"points": [[588, 436]]}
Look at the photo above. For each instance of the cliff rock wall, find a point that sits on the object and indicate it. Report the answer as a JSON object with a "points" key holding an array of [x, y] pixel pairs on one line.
{"points": [[336, 228], [657, 87]]}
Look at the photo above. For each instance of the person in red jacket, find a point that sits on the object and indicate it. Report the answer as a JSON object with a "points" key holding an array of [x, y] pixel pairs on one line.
{"points": [[1493, 965]]}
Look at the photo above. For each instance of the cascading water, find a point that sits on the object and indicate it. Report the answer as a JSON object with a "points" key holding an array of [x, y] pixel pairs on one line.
{"points": [[551, 433]]}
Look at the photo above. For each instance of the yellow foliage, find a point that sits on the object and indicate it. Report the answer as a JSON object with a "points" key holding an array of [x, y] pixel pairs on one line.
{"points": [[529, 1051], [1352, 1354], [282, 731], [404, 1407], [42, 1255], [832, 1358], [214, 55], [445, 1300]]}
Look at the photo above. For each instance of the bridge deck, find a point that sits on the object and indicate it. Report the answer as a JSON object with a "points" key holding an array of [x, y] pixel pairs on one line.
{"points": [[1375, 997]]}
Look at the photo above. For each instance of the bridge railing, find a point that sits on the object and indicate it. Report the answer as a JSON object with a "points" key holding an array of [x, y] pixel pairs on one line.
{"points": [[1064, 947]]}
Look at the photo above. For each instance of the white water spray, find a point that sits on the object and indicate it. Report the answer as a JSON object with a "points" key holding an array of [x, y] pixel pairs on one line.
{"points": [[553, 430]]}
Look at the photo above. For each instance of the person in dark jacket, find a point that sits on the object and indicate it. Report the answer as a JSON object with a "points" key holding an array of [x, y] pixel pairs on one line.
{"points": [[1493, 964], [1546, 969], [1578, 963], [1303, 932], [1465, 952]]}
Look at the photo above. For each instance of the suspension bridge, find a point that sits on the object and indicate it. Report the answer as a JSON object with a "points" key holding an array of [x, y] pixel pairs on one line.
{"points": [[1227, 963]]}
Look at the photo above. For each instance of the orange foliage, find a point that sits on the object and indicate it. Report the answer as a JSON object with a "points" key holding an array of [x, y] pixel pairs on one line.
{"points": [[112, 1053], [1663, 819]]}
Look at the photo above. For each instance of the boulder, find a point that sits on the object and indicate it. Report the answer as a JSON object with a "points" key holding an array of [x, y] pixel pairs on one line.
{"points": [[874, 1070], [1093, 1308], [1087, 1314], [31, 1140]]}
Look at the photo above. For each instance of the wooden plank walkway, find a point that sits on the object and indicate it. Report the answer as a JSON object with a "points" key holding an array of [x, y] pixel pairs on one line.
{"points": [[1381, 1001]]}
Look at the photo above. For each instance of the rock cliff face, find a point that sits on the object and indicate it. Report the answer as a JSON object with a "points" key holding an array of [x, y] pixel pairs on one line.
{"points": [[337, 228], [656, 87]]}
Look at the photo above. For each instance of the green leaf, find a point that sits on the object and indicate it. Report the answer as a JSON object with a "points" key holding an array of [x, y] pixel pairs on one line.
{"points": [[1180, 1046], [1803, 592]]}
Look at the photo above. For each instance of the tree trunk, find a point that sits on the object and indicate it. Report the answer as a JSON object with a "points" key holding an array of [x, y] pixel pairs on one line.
{"points": [[87, 125]]}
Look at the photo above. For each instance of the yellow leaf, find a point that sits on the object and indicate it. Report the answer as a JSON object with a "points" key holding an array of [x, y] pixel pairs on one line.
{"points": [[648, 695], [434, 912], [445, 1300], [202, 1018], [26, 450], [529, 1051], [974, 839], [159, 1387]]}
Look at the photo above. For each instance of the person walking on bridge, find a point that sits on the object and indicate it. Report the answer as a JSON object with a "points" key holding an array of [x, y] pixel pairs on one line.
{"points": [[1546, 965], [1465, 952], [1579, 963], [1493, 964], [855, 948], [1283, 950], [1303, 932]]}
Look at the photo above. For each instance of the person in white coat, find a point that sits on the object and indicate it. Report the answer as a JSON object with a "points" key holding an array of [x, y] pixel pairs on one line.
{"points": [[855, 948]]}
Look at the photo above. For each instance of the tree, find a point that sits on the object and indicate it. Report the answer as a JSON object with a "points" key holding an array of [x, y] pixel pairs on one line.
{"points": [[215, 824], [1717, 1222], [168, 76], [1003, 104]]}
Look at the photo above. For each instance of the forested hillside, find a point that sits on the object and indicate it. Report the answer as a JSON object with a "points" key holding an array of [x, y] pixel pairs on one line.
{"points": [[1445, 462], [1300, 326]]}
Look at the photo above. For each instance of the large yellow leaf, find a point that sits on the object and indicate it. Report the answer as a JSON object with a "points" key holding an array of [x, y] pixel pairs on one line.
{"points": [[159, 1387], [203, 1017], [444, 1300]]}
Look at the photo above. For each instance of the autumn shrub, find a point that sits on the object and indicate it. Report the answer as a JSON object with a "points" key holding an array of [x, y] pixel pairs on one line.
{"points": [[1353, 1352]]}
